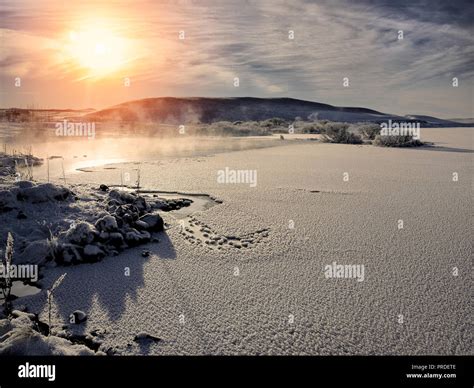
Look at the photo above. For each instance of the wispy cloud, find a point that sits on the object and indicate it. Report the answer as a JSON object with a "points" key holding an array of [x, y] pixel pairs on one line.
{"points": [[250, 40]]}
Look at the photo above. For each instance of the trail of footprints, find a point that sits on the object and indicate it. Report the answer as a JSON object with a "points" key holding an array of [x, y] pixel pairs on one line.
{"points": [[196, 232]]}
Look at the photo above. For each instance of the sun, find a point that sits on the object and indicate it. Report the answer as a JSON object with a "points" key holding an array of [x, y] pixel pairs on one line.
{"points": [[97, 50]]}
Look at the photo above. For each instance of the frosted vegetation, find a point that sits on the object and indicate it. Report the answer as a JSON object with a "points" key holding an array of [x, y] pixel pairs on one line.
{"points": [[35, 124]]}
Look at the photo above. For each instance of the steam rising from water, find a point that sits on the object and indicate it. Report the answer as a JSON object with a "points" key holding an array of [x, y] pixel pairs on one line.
{"points": [[82, 153]]}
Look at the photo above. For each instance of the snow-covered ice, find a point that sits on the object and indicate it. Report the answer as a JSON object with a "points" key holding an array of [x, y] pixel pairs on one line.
{"points": [[272, 297]]}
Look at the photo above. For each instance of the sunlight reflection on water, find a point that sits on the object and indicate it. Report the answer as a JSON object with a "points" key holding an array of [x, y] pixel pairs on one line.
{"points": [[82, 154]]}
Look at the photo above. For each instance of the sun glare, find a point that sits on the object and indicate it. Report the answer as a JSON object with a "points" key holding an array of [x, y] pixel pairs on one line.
{"points": [[98, 50]]}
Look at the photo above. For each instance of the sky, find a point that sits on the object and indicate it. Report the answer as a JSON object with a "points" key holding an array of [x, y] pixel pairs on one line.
{"points": [[95, 54]]}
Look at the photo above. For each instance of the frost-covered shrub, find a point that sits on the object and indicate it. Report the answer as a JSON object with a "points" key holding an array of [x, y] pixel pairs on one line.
{"points": [[339, 133], [226, 128], [397, 141], [273, 122], [312, 128], [369, 131]]}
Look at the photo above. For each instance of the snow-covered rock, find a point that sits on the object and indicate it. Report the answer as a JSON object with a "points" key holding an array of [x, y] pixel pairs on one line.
{"points": [[107, 224], [24, 184], [68, 254], [126, 198], [154, 221], [43, 193], [134, 237], [139, 224], [82, 233], [122, 197], [144, 337], [18, 336], [116, 239]]}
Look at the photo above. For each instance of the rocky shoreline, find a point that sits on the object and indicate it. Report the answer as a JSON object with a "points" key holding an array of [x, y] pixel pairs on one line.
{"points": [[55, 225]]}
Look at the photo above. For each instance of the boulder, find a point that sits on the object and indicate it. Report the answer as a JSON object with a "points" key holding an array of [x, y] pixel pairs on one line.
{"points": [[116, 239], [140, 204], [125, 198], [81, 233], [68, 254], [145, 337], [107, 224], [127, 218], [122, 197], [154, 221], [24, 184], [142, 225], [127, 212], [134, 237]]}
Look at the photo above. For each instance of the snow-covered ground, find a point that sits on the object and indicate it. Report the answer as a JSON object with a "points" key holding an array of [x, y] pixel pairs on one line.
{"points": [[266, 293]]}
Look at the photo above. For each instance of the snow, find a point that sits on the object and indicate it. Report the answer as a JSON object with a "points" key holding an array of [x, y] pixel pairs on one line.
{"points": [[272, 297], [18, 337]]}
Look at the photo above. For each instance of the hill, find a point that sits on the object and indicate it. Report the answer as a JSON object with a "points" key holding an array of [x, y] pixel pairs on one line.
{"points": [[171, 110]]}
